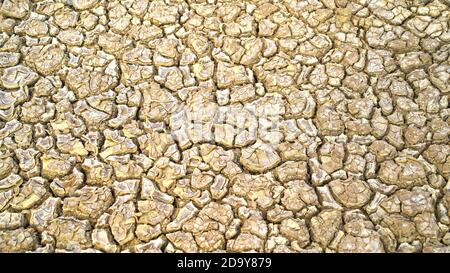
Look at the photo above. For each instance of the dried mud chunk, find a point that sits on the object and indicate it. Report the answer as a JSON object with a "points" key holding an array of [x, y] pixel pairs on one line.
{"points": [[46, 212], [325, 225], [245, 242], [149, 190], [155, 144], [389, 172], [414, 60], [18, 76], [31, 193], [37, 110], [157, 104], [146, 233], [70, 145], [292, 151], [253, 52], [436, 248], [12, 180], [216, 156], [28, 162], [166, 172], [288, 117], [97, 172], [88, 202], [278, 214], [271, 105], [211, 240], [354, 244], [260, 157], [198, 43], [203, 69], [439, 76], [357, 225], [71, 37], [33, 28], [356, 82], [328, 121], [221, 213], [84, 4], [173, 79], [15, 8], [233, 48], [70, 233], [7, 102], [113, 43], [183, 215], [446, 203], [200, 180], [8, 59], [103, 240], [66, 17], [295, 230], [301, 104], [54, 166], [91, 115], [125, 115], [162, 14], [404, 229], [317, 46], [183, 241], [6, 167], [352, 193], [229, 75], [67, 185], [382, 150], [379, 62], [140, 54], [256, 225], [361, 108], [441, 130], [122, 221], [126, 187], [126, 168], [409, 203], [198, 225], [292, 170], [6, 196], [427, 225], [331, 156], [86, 83], [219, 188], [65, 123], [297, 195], [18, 240], [439, 155], [413, 172], [379, 124], [115, 144], [242, 93], [154, 212], [49, 59], [12, 220]]}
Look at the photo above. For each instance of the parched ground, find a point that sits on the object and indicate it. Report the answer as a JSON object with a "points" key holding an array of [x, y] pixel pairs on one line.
{"points": [[213, 126]]}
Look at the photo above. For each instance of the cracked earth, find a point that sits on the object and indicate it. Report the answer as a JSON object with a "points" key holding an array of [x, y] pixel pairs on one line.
{"points": [[224, 126]]}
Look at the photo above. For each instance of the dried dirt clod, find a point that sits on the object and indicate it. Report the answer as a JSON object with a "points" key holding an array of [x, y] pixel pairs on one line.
{"points": [[351, 193], [325, 225], [259, 157], [70, 233], [18, 240]]}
